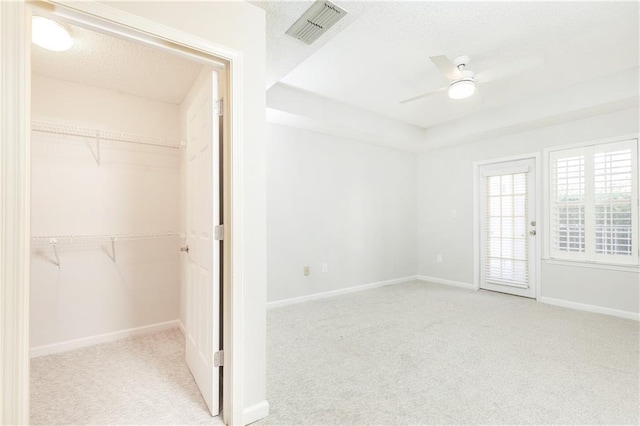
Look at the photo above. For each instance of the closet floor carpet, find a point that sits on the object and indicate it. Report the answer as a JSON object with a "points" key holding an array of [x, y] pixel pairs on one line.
{"points": [[420, 353], [140, 380]]}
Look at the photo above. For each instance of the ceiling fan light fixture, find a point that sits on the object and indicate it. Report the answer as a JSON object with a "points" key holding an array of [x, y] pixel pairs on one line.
{"points": [[50, 35], [461, 89]]}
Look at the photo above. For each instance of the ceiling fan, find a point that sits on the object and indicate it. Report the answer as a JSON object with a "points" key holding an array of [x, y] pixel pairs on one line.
{"points": [[463, 82]]}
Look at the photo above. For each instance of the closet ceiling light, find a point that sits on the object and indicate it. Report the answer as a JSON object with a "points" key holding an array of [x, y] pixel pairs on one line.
{"points": [[50, 34]]}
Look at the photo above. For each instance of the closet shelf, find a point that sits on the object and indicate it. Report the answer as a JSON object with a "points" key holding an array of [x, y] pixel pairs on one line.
{"points": [[73, 239], [55, 240], [103, 135]]}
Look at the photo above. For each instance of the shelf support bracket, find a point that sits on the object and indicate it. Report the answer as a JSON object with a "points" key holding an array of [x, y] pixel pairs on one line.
{"points": [[113, 249], [98, 146], [54, 244]]}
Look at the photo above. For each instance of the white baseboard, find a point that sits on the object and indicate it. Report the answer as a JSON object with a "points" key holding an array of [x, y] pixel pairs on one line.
{"points": [[547, 300], [255, 412], [446, 282], [101, 338], [181, 327], [339, 292], [590, 308]]}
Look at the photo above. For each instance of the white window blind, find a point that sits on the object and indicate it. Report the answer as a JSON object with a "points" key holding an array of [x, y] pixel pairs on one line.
{"points": [[613, 202], [594, 203], [506, 229], [567, 216]]}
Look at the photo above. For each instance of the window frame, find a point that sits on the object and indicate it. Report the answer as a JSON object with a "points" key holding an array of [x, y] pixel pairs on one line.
{"points": [[589, 257]]}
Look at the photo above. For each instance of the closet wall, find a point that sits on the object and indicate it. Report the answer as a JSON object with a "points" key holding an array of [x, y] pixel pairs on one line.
{"points": [[117, 189]]}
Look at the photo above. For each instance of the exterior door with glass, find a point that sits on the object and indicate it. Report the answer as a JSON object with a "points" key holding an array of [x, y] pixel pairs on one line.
{"points": [[507, 197]]}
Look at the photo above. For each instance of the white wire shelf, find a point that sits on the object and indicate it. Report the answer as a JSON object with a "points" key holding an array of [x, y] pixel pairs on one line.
{"points": [[55, 240], [103, 135], [74, 239]]}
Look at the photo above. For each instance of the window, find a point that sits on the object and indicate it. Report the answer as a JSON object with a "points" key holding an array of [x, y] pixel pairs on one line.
{"points": [[593, 205]]}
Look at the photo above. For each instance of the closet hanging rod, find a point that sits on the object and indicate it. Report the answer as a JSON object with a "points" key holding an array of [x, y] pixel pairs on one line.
{"points": [[70, 130], [71, 239]]}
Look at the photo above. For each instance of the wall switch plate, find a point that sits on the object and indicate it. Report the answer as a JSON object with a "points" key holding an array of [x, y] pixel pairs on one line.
{"points": [[439, 258], [454, 213], [306, 270], [325, 267]]}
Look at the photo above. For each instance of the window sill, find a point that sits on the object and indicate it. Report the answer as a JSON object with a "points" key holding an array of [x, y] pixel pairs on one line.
{"points": [[579, 264]]}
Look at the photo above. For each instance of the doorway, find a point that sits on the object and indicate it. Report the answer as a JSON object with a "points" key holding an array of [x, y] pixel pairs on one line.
{"points": [[123, 177], [508, 220], [16, 130]]}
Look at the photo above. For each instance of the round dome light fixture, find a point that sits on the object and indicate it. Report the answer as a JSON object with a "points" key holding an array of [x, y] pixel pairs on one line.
{"points": [[461, 89], [50, 35]]}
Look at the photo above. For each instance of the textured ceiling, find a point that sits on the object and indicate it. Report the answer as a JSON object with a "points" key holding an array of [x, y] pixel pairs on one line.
{"points": [[285, 52], [113, 63], [382, 56]]}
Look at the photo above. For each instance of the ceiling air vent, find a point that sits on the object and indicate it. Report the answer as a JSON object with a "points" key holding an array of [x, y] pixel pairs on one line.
{"points": [[316, 21]]}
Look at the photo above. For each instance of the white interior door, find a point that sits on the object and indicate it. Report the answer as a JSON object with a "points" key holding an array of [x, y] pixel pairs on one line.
{"points": [[508, 227], [202, 291]]}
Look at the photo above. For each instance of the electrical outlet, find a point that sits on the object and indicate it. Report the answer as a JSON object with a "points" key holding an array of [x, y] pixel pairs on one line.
{"points": [[306, 270], [325, 267], [439, 258]]}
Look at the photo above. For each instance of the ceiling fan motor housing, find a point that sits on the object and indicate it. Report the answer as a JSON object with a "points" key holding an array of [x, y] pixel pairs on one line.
{"points": [[468, 75], [462, 60]]}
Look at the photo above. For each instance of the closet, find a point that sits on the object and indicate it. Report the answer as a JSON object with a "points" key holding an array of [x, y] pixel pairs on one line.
{"points": [[124, 186]]}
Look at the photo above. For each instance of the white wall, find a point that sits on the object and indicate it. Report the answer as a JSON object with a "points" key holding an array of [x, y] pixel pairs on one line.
{"points": [[293, 107], [331, 200], [446, 184], [94, 107], [241, 26], [134, 190], [348, 204]]}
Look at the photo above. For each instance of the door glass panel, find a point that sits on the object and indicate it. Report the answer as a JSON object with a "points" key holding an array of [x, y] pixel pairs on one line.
{"points": [[505, 226]]}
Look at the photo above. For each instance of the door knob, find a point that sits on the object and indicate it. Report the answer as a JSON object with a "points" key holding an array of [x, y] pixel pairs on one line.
{"points": [[532, 232], [185, 249]]}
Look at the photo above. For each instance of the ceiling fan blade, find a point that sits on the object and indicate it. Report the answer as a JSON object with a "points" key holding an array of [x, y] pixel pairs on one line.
{"points": [[446, 67], [509, 69], [424, 95]]}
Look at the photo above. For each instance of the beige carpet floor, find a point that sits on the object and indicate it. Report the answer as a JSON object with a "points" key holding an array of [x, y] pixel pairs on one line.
{"points": [[141, 380], [422, 353], [414, 353]]}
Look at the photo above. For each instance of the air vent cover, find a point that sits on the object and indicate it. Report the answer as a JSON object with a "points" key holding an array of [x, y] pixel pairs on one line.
{"points": [[316, 21]]}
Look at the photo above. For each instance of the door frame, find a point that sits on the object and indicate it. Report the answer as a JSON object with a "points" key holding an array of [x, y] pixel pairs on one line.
{"points": [[540, 225], [15, 206]]}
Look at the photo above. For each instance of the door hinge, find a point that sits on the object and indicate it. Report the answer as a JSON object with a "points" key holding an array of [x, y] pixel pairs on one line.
{"points": [[219, 232], [218, 359], [220, 107]]}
